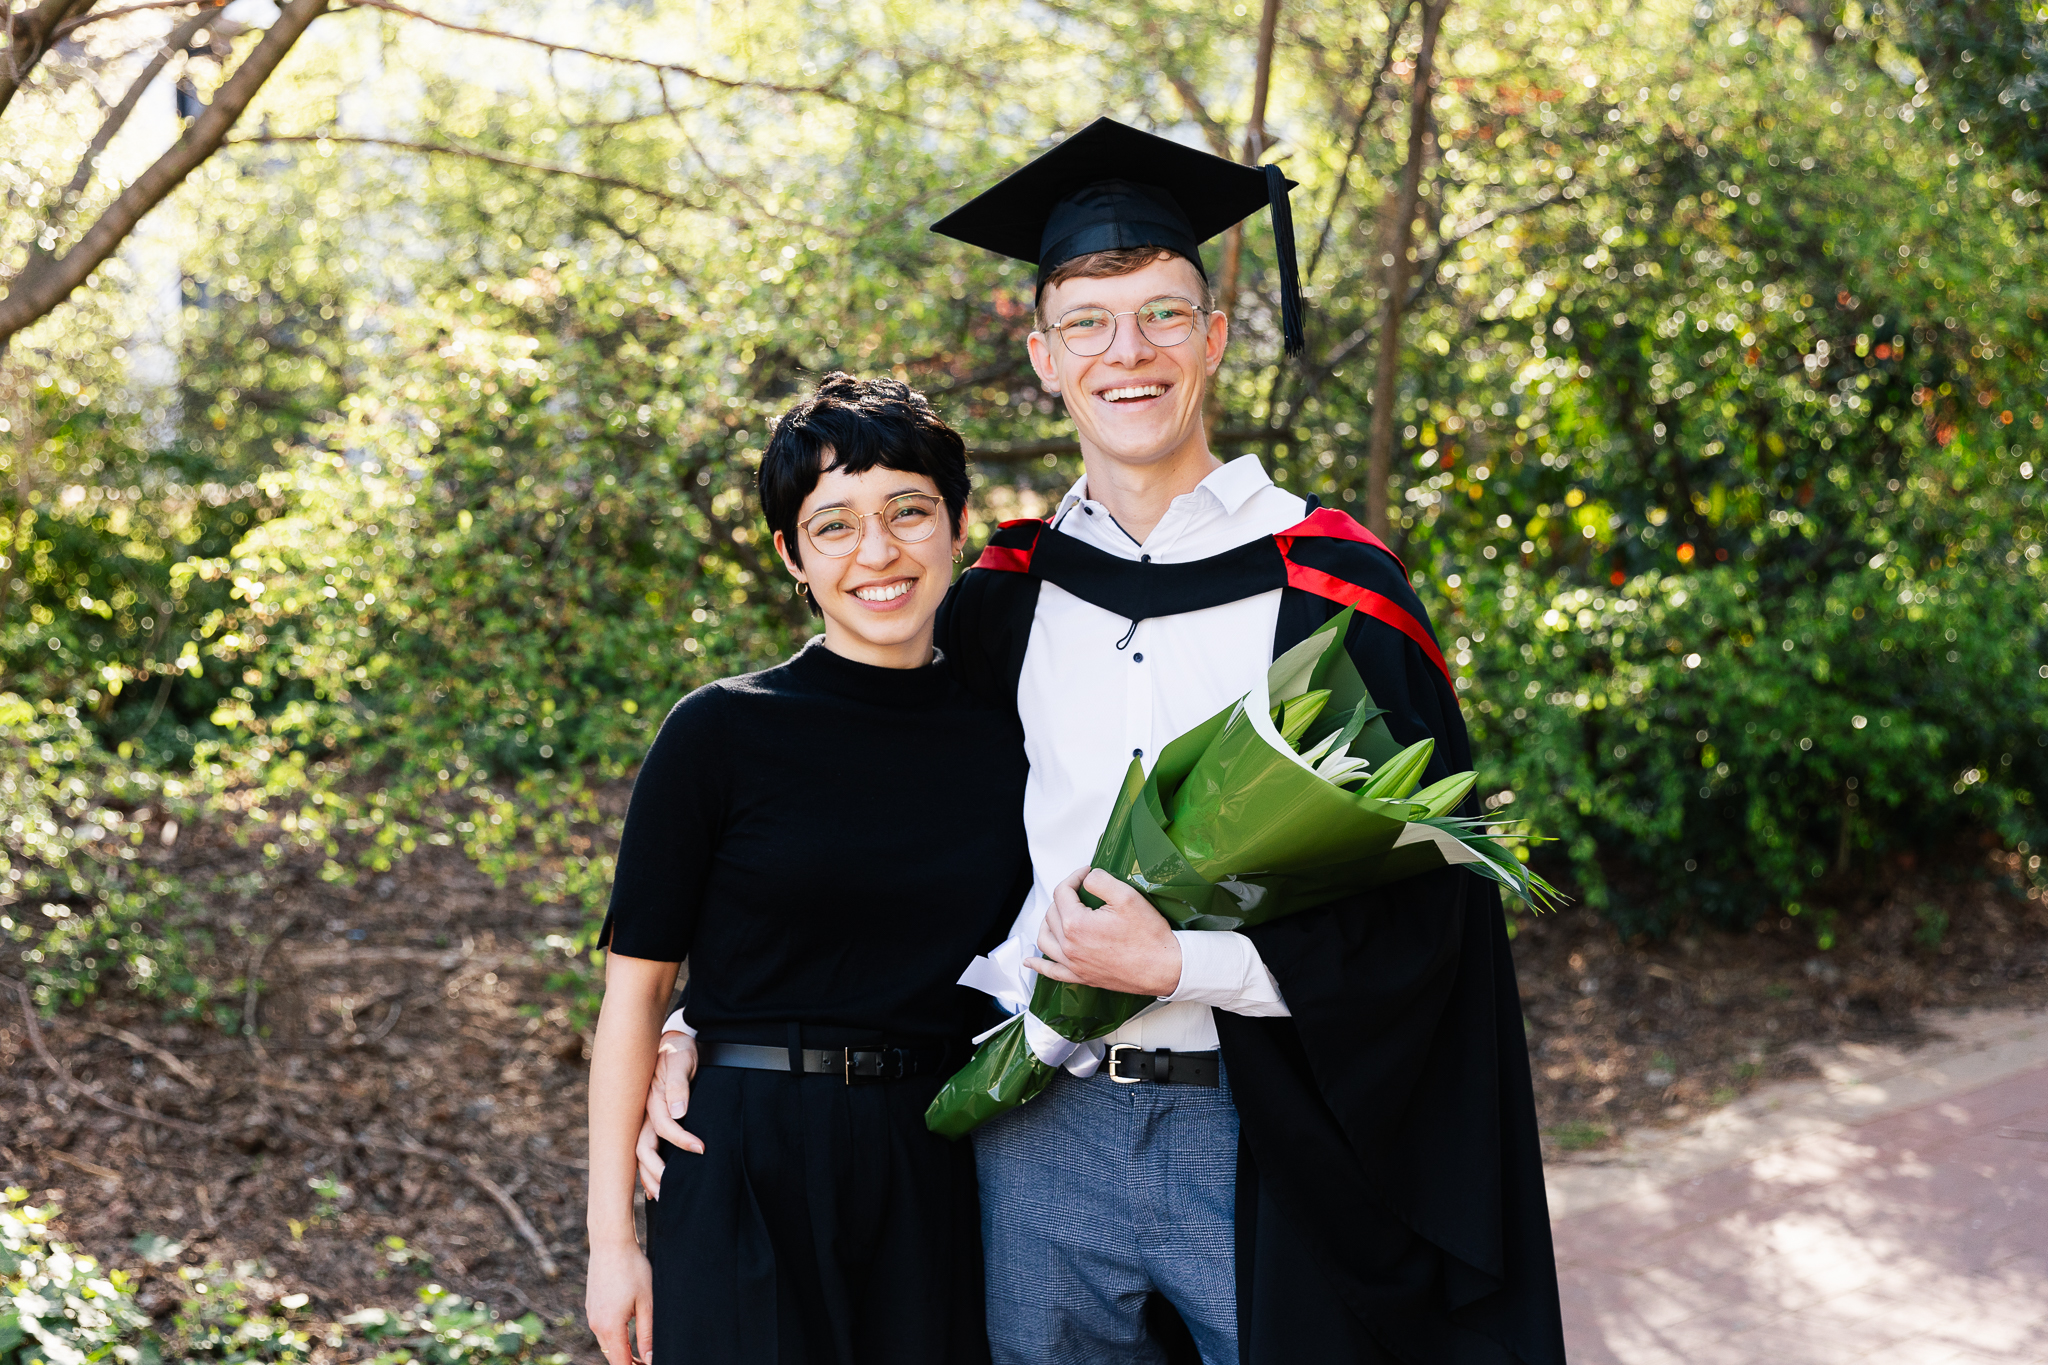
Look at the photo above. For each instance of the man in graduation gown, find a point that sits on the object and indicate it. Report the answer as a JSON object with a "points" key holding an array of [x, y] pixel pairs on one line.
{"points": [[1321, 1146]]}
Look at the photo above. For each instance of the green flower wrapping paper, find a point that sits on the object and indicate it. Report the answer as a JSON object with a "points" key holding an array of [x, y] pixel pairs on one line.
{"points": [[1290, 797]]}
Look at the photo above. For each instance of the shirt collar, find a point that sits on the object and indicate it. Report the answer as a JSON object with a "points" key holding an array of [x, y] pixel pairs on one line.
{"points": [[1232, 486]]}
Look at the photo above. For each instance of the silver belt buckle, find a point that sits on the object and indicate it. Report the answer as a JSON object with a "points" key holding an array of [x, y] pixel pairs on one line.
{"points": [[1111, 1062]]}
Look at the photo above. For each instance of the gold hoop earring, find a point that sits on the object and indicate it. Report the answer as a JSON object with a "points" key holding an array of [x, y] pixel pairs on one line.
{"points": [[803, 589]]}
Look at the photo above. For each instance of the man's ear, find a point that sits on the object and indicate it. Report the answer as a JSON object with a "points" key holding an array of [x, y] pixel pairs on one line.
{"points": [[1217, 337], [1041, 361]]}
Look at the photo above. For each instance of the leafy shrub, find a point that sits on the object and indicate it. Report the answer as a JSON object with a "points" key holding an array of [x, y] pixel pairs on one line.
{"points": [[56, 1307], [447, 1329], [82, 907], [1731, 747], [219, 1323]]}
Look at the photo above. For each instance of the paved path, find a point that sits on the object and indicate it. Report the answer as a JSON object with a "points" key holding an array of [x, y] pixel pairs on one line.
{"points": [[1892, 1212]]}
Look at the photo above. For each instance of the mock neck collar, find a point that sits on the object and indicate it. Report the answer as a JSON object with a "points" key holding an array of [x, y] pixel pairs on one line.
{"points": [[907, 688]]}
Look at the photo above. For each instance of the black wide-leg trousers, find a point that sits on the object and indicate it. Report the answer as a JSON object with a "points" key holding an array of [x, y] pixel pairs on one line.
{"points": [[823, 1225]]}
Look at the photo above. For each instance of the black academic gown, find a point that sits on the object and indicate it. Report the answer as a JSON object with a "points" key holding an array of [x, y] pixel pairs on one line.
{"points": [[1390, 1190]]}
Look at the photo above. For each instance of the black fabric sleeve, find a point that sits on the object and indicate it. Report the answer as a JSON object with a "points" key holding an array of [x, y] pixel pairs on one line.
{"points": [[983, 629], [672, 831]]}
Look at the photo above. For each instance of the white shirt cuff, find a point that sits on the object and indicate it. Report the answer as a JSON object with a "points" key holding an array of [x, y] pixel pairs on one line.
{"points": [[1224, 971], [674, 1024]]}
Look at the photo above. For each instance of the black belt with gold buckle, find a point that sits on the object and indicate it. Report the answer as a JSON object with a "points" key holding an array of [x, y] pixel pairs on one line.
{"points": [[853, 1065], [1127, 1064]]}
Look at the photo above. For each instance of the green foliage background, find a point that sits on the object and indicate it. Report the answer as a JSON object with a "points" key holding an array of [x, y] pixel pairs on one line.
{"points": [[1721, 417]]}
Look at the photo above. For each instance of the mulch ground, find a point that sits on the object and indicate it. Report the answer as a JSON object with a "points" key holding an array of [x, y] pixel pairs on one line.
{"points": [[412, 1108]]}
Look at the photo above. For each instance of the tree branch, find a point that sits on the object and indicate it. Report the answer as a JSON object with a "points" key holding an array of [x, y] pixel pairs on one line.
{"points": [[463, 1165], [1254, 147], [79, 21], [476, 154], [29, 36], [39, 288], [621, 59], [1395, 242], [1191, 100], [118, 116], [80, 1088], [1255, 131], [1426, 269], [623, 233], [1343, 180]]}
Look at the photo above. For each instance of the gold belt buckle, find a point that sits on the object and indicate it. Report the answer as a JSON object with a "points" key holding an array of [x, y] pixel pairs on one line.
{"points": [[1113, 1059]]}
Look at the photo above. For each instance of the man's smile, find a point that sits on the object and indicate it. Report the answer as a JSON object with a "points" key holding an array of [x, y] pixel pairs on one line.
{"points": [[1133, 393]]}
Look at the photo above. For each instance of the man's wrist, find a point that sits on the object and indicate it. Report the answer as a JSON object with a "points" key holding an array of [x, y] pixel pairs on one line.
{"points": [[1180, 967]]}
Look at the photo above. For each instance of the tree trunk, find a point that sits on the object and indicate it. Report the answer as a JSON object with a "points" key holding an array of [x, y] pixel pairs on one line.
{"points": [[1230, 271], [1397, 237], [17, 392]]}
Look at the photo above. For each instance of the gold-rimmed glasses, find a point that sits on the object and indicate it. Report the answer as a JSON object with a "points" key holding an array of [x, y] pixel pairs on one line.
{"points": [[908, 517], [1165, 321]]}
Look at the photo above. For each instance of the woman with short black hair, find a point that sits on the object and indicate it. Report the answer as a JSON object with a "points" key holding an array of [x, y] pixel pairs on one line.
{"points": [[800, 836]]}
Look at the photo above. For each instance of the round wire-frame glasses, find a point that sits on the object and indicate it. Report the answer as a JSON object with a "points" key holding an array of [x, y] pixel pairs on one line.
{"points": [[1165, 321], [908, 518]]}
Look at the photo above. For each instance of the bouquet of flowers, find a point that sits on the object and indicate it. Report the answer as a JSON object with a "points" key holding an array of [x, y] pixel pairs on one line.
{"points": [[1292, 796]]}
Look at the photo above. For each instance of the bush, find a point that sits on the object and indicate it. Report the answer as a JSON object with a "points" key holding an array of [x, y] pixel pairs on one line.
{"points": [[1733, 749], [447, 1329], [82, 907], [57, 1308]]}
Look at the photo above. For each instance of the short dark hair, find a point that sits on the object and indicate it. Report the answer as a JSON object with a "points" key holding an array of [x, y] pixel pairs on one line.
{"points": [[1120, 260], [860, 424]]}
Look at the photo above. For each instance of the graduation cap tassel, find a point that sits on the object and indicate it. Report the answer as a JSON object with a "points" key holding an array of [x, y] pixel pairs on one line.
{"points": [[1291, 332]]}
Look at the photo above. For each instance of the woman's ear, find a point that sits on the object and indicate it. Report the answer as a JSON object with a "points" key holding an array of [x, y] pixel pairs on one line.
{"points": [[789, 561]]}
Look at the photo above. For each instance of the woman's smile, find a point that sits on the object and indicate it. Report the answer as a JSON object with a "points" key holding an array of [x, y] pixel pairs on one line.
{"points": [[883, 596]]}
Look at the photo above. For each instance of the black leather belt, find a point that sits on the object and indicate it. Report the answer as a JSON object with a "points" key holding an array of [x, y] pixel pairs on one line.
{"points": [[851, 1064], [1127, 1064]]}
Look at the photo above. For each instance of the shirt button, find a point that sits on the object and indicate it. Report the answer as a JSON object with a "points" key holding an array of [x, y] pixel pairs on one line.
{"points": [[1144, 559], [1137, 658], [1137, 753]]}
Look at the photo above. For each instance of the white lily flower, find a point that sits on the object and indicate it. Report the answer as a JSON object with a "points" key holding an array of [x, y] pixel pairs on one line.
{"points": [[1336, 767], [1340, 768]]}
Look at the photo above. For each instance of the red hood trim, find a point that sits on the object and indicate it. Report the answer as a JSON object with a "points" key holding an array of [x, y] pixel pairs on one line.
{"points": [[1329, 523], [1009, 559]]}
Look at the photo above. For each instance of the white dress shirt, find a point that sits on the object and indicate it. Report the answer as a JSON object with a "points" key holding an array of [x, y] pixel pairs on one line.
{"points": [[1089, 706]]}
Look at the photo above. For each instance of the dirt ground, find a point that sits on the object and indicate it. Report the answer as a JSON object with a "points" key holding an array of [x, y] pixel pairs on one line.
{"points": [[412, 1107], [1627, 1033]]}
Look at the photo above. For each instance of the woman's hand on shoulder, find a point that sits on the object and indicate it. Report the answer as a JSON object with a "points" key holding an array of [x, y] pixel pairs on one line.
{"points": [[618, 1302], [668, 1099]]}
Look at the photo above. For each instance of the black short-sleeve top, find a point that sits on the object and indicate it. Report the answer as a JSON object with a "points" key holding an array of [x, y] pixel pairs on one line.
{"points": [[828, 843]]}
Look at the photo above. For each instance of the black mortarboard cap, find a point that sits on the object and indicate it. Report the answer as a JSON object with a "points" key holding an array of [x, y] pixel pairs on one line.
{"points": [[1110, 186]]}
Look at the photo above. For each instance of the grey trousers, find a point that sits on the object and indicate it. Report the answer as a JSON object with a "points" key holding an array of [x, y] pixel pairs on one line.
{"points": [[1096, 1195]]}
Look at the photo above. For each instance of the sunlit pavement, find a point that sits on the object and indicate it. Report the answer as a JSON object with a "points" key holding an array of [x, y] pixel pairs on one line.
{"points": [[1894, 1212]]}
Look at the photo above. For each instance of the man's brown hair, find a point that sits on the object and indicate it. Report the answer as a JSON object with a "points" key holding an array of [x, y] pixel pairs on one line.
{"points": [[1123, 260]]}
